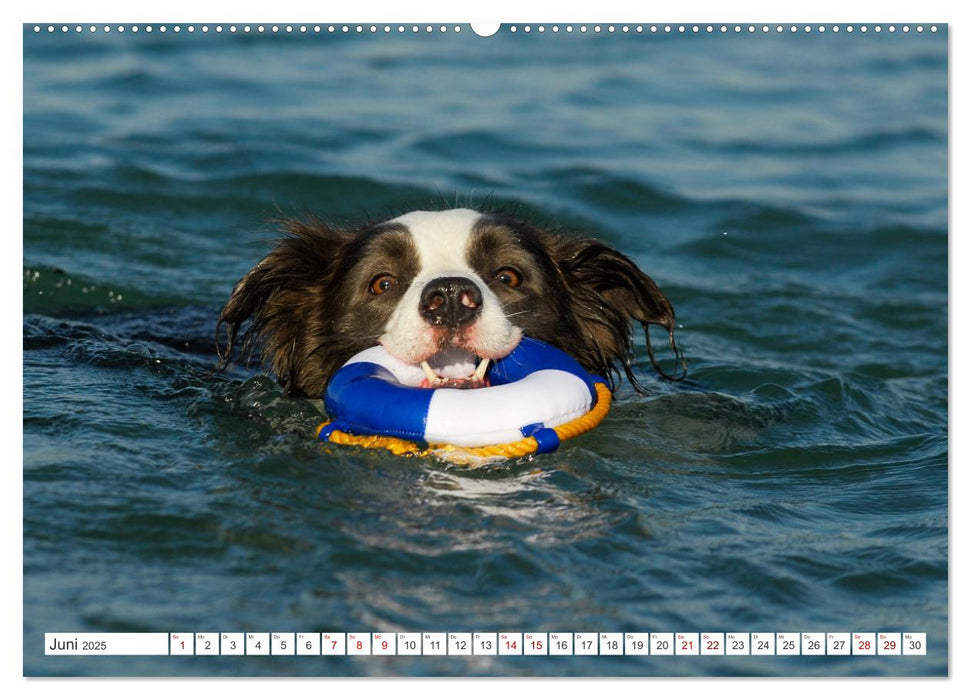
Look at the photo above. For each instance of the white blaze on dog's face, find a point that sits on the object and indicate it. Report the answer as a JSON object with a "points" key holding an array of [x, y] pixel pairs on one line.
{"points": [[449, 318]]}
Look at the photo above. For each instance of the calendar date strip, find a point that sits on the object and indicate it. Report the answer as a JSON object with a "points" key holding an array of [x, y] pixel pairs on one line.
{"points": [[487, 644]]}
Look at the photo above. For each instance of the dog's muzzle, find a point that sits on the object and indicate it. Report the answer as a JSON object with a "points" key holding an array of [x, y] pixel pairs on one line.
{"points": [[453, 302]]}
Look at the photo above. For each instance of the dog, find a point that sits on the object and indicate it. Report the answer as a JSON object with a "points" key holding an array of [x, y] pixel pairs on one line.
{"points": [[447, 291]]}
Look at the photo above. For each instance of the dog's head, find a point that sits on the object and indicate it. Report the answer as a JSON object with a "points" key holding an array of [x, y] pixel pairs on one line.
{"points": [[443, 290]]}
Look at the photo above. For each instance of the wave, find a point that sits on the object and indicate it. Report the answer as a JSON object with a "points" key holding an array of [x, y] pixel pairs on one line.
{"points": [[601, 188], [52, 291], [866, 142]]}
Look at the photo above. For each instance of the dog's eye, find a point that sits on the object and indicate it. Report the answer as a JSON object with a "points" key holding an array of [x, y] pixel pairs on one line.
{"points": [[509, 277], [382, 283]]}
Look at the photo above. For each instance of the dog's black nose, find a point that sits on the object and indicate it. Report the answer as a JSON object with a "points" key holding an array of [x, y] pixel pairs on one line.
{"points": [[450, 301]]}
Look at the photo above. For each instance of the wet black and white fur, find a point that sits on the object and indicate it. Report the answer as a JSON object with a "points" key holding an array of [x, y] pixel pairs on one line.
{"points": [[445, 291]]}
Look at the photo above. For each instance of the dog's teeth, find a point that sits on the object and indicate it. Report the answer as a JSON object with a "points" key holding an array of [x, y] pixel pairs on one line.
{"points": [[480, 371], [429, 372]]}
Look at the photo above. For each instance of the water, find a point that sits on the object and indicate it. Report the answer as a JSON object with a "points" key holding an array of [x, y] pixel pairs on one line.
{"points": [[789, 194]]}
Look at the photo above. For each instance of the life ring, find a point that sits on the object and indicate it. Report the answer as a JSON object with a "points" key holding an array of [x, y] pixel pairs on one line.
{"points": [[538, 396]]}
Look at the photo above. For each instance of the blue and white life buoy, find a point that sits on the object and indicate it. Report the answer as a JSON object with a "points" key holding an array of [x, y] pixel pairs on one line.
{"points": [[534, 390]]}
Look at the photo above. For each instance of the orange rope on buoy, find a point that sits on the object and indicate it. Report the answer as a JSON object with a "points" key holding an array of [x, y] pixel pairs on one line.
{"points": [[589, 420]]}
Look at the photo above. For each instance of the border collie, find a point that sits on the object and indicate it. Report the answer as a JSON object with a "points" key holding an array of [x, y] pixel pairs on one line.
{"points": [[446, 291]]}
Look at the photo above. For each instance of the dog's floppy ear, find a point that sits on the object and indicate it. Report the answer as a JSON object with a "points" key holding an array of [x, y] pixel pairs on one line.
{"points": [[608, 290], [277, 305]]}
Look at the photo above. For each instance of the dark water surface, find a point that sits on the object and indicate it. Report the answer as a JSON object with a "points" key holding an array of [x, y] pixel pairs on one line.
{"points": [[789, 194]]}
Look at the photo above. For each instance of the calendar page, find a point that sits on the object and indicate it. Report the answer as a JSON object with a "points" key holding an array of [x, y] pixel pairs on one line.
{"points": [[737, 232]]}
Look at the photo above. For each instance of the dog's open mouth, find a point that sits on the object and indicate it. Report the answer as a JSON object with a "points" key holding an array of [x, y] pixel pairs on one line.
{"points": [[453, 368]]}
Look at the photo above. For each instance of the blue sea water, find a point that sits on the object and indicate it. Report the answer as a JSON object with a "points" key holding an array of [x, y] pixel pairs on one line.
{"points": [[787, 191]]}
